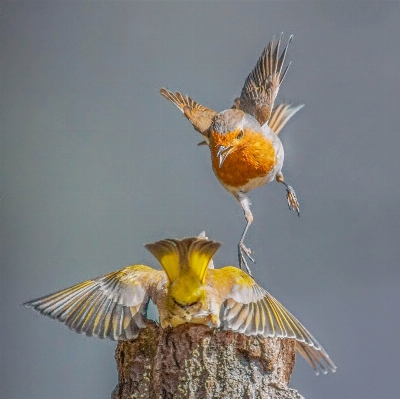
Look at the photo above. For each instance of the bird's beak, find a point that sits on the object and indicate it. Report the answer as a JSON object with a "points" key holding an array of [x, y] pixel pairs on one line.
{"points": [[223, 152]]}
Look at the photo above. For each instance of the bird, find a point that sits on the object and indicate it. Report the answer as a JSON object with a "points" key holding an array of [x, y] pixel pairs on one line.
{"points": [[188, 289], [246, 151]]}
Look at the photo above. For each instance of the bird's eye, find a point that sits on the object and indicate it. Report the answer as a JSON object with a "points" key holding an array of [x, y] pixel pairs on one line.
{"points": [[240, 135]]}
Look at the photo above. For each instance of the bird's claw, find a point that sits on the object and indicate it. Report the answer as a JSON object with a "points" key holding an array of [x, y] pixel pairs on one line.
{"points": [[293, 204], [243, 250]]}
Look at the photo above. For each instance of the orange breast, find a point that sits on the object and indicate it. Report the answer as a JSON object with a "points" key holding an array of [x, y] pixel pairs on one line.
{"points": [[254, 158]]}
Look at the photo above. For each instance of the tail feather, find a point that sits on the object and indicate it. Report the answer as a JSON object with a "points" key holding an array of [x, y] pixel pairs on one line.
{"points": [[281, 114], [177, 256], [316, 357]]}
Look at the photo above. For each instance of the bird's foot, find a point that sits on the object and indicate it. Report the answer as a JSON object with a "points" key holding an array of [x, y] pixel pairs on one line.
{"points": [[292, 200], [243, 250]]}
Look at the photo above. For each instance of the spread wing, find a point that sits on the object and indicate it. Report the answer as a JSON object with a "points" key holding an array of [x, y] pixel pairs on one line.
{"points": [[251, 310], [200, 117], [111, 306], [262, 84]]}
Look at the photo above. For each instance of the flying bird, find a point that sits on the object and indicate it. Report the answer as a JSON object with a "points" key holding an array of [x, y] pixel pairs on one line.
{"points": [[187, 290], [246, 151]]}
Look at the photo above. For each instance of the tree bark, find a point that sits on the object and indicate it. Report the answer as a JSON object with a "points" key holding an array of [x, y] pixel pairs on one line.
{"points": [[196, 362]]}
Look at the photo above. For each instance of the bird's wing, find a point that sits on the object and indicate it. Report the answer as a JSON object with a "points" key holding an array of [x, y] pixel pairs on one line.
{"points": [[281, 115], [262, 84], [111, 306], [251, 310], [199, 116]]}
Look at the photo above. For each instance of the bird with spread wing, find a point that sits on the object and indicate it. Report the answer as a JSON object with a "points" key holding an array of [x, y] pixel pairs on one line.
{"points": [[187, 290], [246, 151]]}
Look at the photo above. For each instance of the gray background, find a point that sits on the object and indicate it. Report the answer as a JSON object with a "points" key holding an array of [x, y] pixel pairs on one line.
{"points": [[95, 163]]}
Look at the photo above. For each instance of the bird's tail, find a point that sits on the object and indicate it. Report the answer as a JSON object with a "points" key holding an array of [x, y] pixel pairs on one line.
{"points": [[281, 114], [177, 256]]}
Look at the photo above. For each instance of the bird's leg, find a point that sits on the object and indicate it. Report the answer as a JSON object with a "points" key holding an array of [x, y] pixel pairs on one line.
{"points": [[293, 204], [242, 249]]}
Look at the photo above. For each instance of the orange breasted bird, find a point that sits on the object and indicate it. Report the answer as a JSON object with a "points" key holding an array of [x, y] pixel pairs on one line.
{"points": [[187, 290], [246, 151]]}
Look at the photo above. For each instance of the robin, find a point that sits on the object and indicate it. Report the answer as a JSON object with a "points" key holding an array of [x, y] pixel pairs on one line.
{"points": [[246, 151], [187, 290]]}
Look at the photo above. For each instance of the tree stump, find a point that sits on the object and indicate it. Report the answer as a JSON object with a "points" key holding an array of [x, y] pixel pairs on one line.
{"points": [[196, 362]]}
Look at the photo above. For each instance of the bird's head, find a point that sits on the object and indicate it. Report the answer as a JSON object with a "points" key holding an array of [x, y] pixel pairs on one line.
{"points": [[231, 131]]}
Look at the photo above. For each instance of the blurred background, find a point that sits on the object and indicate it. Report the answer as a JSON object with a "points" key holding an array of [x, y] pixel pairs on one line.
{"points": [[95, 163]]}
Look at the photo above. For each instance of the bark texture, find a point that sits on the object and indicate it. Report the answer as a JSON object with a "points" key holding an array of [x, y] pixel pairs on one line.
{"points": [[197, 362]]}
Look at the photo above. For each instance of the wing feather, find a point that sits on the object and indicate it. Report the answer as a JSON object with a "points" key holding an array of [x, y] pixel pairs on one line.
{"points": [[248, 324], [111, 306], [240, 318], [55, 307], [281, 115], [199, 116], [262, 85], [90, 323], [316, 357], [251, 310], [80, 314], [68, 310]]}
